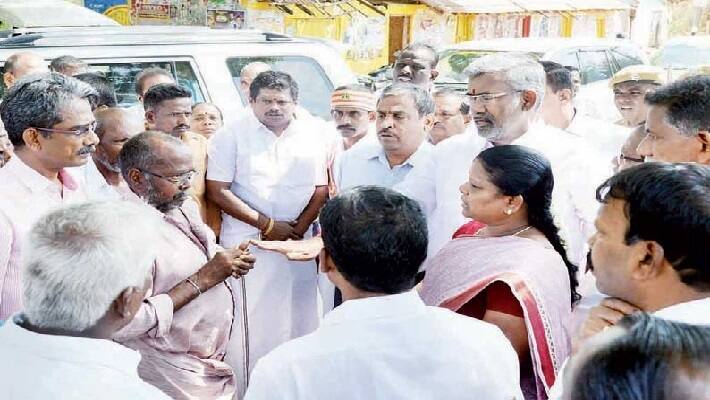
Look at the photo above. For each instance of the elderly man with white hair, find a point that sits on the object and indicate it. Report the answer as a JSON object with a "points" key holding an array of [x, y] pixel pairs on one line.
{"points": [[86, 271]]}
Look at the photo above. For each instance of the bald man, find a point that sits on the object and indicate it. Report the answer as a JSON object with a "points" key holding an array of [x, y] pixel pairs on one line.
{"points": [[102, 178], [247, 75], [21, 64]]}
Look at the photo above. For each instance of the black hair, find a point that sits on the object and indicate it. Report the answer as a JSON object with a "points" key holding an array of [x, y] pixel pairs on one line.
{"points": [[521, 171], [164, 92], [61, 63], [550, 65], [571, 68], [274, 80], [139, 152], [149, 73], [688, 102], [376, 237], [104, 87], [668, 204], [648, 362], [558, 79]]}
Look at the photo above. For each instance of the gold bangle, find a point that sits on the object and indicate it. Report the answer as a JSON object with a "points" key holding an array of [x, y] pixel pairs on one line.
{"points": [[191, 282], [269, 226]]}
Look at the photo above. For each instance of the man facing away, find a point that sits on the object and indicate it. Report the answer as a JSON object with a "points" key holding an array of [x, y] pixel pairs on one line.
{"points": [[383, 342], [183, 325], [21, 64], [49, 121], [678, 122], [270, 180], [86, 270]]}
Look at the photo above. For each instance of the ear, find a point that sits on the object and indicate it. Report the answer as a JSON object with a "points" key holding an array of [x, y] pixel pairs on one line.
{"points": [[326, 262], [514, 204], [467, 118], [529, 98], [150, 117], [649, 259], [565, 95], [704, 138], [135, 178], [125, 303], [8, 79], [434, 74], [31, 138], [428, 121]]}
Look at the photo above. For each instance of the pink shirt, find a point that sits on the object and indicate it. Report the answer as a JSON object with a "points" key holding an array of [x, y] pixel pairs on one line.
{"points": [[183, 352], [25, 196]]}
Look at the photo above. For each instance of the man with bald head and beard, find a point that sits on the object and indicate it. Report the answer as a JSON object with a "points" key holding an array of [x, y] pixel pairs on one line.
{"points": [[183, 325], [22, 64], [101, 177]]}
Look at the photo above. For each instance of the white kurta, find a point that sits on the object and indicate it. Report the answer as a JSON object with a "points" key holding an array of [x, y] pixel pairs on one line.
{"points": [[601, 136], [391, 347], [277, 176], [435, 182], [95, 185], [34, 366]]}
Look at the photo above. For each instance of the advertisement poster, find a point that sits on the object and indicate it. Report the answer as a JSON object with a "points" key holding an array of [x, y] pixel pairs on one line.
{"points": [[150, 12], [434, 29], [226, 19], [270, 21], [365, 38]]}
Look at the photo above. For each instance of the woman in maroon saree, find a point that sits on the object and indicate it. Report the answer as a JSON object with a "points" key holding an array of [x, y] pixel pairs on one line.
{"points": [[509, 267]]}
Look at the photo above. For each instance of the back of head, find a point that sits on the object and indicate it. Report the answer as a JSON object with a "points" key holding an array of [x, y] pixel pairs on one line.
{"points": [[78, 259], [164, 92], [668, 204], [274, 80], [416, 46], [550, 65], [521, 71], [68, 65], [422, 99], [37, 101], [521, 171], [653, 359], [148, 73], [376, 237], [106, 93], [558, 79], [139, 152], [112, 116], [687, 101], [251, 70]]}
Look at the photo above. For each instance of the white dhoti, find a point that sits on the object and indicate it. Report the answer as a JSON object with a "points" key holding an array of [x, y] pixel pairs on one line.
{"points": [[282, 304]]}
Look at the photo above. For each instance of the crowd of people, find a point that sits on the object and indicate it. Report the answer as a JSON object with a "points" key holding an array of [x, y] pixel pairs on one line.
{"points": [[424, 244]]}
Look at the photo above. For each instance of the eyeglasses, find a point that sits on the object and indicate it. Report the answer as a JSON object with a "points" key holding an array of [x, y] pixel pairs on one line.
{"points": [[621, 158], [487, 98], [78, 132], [184, 177]]}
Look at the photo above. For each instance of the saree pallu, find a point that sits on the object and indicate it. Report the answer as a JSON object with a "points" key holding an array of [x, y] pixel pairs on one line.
{"points": [[537, 277]]}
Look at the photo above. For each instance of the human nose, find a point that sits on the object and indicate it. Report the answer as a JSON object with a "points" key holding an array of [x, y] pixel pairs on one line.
{"points": [[91, 139]]}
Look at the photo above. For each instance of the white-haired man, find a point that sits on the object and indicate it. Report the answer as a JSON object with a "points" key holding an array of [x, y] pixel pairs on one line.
{"points": [[86, 271]]}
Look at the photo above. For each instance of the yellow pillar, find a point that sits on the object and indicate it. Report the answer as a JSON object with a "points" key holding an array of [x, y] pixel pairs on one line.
{"points": [[601, 25]]}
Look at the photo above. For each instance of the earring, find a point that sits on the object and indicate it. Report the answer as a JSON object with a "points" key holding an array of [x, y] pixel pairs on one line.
{"points": [[508, 212]]}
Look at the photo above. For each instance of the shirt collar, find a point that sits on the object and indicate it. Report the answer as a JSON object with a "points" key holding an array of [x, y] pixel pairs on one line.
{"points": [[380, 307], [34, 180], [79, 350], [377, 151], [691, 312]]}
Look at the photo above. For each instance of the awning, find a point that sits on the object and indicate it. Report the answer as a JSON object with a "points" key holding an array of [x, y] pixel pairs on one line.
{"points": [[512, 6]]}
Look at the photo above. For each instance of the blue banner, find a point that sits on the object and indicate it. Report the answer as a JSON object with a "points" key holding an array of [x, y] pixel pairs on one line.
{"points": [[100, 6]]}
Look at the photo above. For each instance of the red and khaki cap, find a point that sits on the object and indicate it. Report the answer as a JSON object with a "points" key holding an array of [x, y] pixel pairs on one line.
{"points": [[353, 99], [639, 73]]}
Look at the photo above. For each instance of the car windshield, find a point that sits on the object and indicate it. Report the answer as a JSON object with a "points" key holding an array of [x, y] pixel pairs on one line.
{"points": [[682, 55], [453, 63]]}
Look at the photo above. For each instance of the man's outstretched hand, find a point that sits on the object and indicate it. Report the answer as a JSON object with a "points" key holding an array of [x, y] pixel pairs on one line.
{"points": [[294, 250]]}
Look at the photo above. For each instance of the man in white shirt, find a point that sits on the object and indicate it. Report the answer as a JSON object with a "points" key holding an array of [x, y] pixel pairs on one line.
{"points": [[678, 123], [404, 118], [101, 176], [270, 181], [383, 342], [145, 80], [86, 270], [558, 110]]}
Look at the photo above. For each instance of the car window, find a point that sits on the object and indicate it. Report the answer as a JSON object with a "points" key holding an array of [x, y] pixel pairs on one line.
{"points": [[625, 57], [452, 64], [683, 55], [123, 76], [594, 66], [314, 87], [567, 58]]}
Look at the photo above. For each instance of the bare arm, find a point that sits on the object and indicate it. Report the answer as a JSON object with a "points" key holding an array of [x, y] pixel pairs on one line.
{"points": [[514, 329], [220, 194], [310, 213]]}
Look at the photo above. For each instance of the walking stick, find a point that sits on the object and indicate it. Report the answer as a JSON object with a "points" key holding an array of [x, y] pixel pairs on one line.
{"points": [[245, 335]]}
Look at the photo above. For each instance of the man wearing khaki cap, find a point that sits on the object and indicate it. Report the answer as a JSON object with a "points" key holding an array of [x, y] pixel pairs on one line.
{"points": [[353, 111], [630, 85]]}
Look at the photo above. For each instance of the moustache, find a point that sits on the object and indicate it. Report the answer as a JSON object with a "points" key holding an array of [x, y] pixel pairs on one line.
{"points": [[274, 114], [590, 265], [86, 150], [486, 117], [182, 127], [346, 126]]}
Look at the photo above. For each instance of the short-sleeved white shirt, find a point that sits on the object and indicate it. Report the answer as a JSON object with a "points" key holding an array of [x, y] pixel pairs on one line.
{"points": [[275, 175]]}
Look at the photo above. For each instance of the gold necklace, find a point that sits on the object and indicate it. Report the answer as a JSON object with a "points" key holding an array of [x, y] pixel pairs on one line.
{"points": [[515, 232]]}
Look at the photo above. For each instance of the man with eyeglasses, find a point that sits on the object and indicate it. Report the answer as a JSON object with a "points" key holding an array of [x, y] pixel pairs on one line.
{"points": [[182, 327], [268, 173], [630, 85], [168, 109], [451, 115], [49, 121], [629, 156]]}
